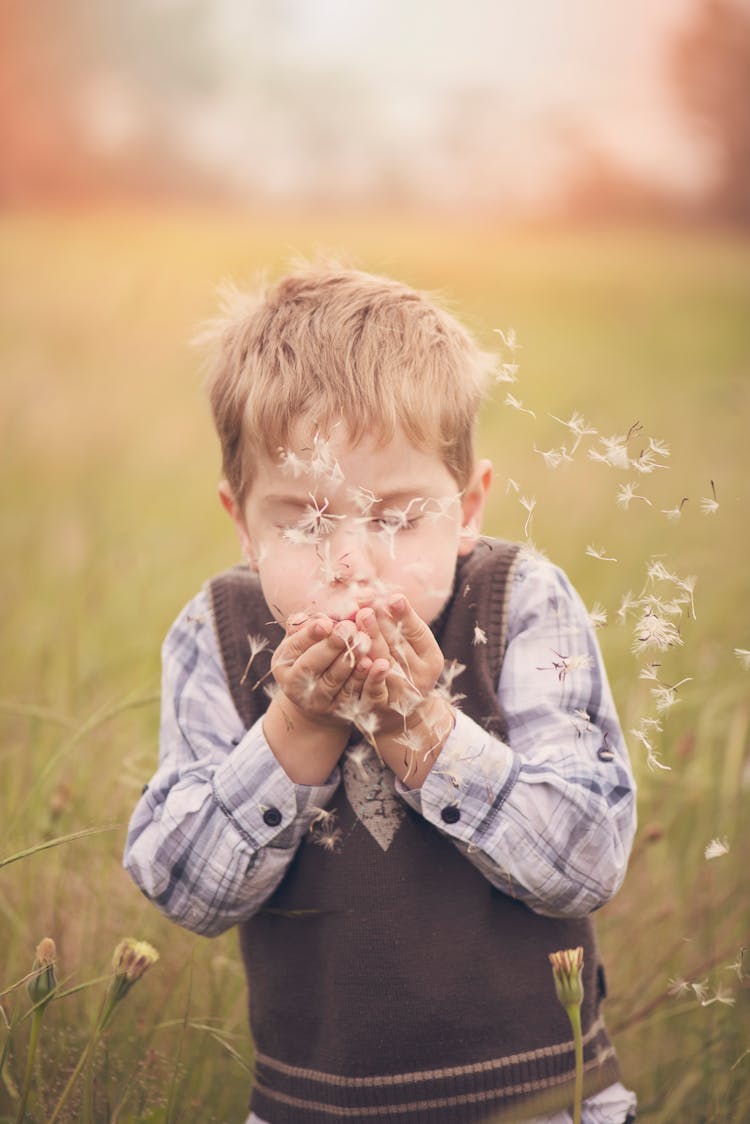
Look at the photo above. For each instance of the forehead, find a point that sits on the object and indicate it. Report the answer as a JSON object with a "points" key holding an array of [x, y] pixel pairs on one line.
{"points": [[329, 465]]}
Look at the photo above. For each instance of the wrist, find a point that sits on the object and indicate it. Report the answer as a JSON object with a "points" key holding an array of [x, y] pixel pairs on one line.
{"points": [[415, 744], [307, 748]]}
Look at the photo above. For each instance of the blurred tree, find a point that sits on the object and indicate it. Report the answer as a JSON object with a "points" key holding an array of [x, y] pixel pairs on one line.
{"points": [[711, 68]]}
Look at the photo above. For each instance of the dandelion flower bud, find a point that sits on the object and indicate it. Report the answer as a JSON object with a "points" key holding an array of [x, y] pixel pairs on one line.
{"points": [[43, 983], [566, 969], [130, 960]]}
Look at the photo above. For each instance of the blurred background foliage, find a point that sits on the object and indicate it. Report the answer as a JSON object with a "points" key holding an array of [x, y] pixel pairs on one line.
{"points": [[579, 176]]}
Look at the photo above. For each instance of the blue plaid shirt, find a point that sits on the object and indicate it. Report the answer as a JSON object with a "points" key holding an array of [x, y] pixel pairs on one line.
{"points": [[548, 818]]}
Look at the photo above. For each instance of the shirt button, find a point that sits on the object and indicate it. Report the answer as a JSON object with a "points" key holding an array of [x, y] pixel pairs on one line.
{"points": [[451, 814], [272, 817], [604, 753]]}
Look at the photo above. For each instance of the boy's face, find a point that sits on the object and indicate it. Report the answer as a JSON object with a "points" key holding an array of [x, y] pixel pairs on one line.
{"points": [[331, 528]]}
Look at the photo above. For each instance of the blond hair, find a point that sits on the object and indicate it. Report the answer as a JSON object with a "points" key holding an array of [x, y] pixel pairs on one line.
{"points": [[332, 344]]}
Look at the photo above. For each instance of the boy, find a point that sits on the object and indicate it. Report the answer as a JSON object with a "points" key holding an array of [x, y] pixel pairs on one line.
{"points": [[388, 747]]}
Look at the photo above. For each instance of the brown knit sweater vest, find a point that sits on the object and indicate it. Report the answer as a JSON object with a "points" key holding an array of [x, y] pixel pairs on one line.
{"points": [[389, 980]]}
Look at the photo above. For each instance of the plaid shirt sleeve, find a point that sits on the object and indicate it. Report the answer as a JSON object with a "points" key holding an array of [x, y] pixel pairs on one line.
{"points": [[220, 821], [550, 817]]}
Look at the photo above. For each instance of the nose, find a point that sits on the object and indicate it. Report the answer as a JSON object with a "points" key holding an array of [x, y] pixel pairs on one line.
{"points": [[352, 554]]}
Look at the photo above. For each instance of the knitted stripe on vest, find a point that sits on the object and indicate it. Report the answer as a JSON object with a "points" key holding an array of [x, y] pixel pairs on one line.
{"points": [[389, 979]]}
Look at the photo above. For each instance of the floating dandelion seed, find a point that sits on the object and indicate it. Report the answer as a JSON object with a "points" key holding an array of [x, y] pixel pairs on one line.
{"points": [[721, 995], [291, 462], [653, 762], [551, 457], [666, 697], [614, 452], [358, 756], [654, 631], [362, 498], [626, 493], [716, 848], [710, 506], [528, 503], [509, 338], [577, 426], [512, 486], [743, 655], [738, 966], [598, 615], [678, 987], [314, 521], [563, 665], [627, 603], [517, 404], [327, 836], [701, 990], [257, 644], [480, 636], [675, 513], [649, 671], [599, 553]]}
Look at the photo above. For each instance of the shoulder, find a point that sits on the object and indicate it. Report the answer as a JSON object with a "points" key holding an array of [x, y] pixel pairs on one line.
{"points": [[191, 636], [541, 588]]}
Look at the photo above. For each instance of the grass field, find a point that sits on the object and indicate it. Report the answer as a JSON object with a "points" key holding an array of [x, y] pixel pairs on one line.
{"points": [[110, 523]]}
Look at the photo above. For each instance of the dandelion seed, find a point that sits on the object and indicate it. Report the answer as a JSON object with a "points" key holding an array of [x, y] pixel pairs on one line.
{"points": [[627, 603], [659, 448], [653, 762], [480, 636], [551, 457], [710, 506], [599, 553], [649, 671], [738, 966], [721, 995], [716, 848], [362, 498], [563, 665], [292, 463], [577, 426], [257, 644], [626, 493], [328, 837], [675, 513], [323, 463], [653, 631], [509, 338], [678, 987], [358, 755], [701, 991], [506, 372], [517, 404], [315, 521], [614, 452], [528, 503], [321, 816], [743, 655], [598, 615], [512, 486]]}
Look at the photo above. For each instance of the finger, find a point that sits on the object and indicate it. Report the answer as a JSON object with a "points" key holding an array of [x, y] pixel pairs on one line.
{"points": [[327, 664], [305, 634], [367, 622], [401, 622], [374, 693]]}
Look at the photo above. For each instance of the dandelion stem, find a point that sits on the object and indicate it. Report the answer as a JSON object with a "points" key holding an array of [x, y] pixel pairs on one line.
{"points": [[574, 1014], [36, 1022]]}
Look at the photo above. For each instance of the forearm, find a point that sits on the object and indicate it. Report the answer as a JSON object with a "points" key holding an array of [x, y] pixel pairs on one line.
{"points": [[209, 842], [550, 831], [411, 746], [307, 749]]}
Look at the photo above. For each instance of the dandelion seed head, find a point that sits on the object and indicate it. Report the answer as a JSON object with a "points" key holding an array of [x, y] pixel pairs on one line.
{"points": [[716, 848]]}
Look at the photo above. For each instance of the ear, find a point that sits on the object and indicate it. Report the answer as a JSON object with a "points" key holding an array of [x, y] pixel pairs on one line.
{"points": [[237, 515], [472, 506]]}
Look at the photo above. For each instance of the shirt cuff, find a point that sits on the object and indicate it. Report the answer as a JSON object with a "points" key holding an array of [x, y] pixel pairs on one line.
{"points": [[468, 784], [265, 806]]}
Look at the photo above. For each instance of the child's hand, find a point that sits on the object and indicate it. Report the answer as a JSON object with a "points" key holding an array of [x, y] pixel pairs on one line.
{"points": [[319, 664], [405, 662]]}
